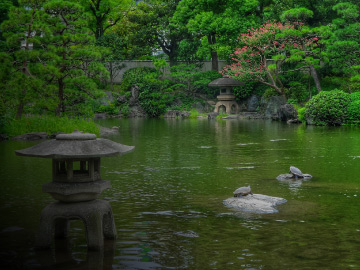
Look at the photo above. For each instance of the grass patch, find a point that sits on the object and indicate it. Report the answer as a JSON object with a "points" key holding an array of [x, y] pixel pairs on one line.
{"points": [[49, 124], [221, 115], [195, 114]]}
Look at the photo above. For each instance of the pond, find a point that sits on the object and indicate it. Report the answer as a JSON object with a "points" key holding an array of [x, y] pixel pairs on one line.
{"points": [[167, 198]]}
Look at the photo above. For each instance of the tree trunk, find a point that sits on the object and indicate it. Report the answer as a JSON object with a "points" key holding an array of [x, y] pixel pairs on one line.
{"points": [[61, 106], [315, 77], [172, 60], [214, 55], [20, 109], [111, 76], [99, 28]]}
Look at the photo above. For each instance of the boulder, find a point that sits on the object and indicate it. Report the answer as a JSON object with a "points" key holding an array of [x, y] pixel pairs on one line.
{"points": [[185, 114], [271, 106], [134, 99], [213, 115], [4, 137], [287, 112], [253, 103], [293, 121], [137, 112], [32, 136], [256, 203], [204, 107], [172, 114], [122, 99], [250, 115], [100, 116]]}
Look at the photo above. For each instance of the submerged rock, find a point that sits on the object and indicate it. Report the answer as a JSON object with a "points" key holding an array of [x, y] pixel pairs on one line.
{"points": [[294, 173], [189, 234], [290, 176], [256, 203], [108, 131]]}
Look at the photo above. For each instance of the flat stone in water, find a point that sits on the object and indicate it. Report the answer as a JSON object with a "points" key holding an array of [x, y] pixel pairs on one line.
{"points": [[289, 176], [256, 203], [11, 229], [189, 233]]}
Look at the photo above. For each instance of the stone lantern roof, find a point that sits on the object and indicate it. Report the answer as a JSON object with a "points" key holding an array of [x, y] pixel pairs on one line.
{"points": [[225, 81], [75, 145]]}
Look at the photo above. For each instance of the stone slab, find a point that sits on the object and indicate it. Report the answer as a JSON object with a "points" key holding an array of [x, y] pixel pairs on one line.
{"points": [[256, 203]]}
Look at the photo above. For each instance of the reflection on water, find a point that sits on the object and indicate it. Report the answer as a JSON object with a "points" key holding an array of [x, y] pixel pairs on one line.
{"points": [[167, 198]]}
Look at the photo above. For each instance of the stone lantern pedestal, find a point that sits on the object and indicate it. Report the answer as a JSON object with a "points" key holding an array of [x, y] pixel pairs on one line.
{"points": [[76, 184], [226, 99]]}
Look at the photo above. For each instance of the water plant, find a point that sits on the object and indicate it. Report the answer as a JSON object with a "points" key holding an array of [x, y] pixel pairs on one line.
{"points": [[221, 115]]}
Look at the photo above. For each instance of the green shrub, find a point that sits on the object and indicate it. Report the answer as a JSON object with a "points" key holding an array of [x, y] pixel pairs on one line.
{"points": [[328, 108], [270, 92], [154, 103], [125, 110], [155, 94], [353, 112], [110, 109], [244, 91], [201, 81], [328, 83], [135, 76], [302, 114], [292, 101], [355, 96], [297, 91]]}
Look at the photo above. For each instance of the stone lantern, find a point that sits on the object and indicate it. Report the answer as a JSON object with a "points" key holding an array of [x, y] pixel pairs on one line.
{"points": [[226, 100], [76, 184]]}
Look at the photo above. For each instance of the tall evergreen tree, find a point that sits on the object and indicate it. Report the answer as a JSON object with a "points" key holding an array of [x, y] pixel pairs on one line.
{"points": [[22, 31], [71, 57]]}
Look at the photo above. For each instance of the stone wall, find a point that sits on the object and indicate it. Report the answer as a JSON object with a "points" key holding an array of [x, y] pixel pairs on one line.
{"points": [[148, 63]]}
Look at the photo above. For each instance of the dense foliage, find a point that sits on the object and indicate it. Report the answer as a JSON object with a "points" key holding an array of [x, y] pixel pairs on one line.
{"points": [[59, 57]]}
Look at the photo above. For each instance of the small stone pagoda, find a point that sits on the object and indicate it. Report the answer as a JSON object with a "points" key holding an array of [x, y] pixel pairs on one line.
{"points": [[76, 184], [226, 100]]}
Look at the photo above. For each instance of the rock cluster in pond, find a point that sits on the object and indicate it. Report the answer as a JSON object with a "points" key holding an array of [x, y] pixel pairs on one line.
{"points": [[289, 176], [108, 131], [256, 203], [294, 173], [176, 114]]}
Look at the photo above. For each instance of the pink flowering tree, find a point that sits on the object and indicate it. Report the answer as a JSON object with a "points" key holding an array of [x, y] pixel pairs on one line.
{"points": [[267, 52]]}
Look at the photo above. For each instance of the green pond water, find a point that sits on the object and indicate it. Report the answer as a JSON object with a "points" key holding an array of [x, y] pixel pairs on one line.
{"points": [[167, 198]]}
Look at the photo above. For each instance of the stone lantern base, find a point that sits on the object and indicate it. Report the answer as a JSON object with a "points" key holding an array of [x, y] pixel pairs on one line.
{"points": [[227, 106], [97, 217], [76, 192]]}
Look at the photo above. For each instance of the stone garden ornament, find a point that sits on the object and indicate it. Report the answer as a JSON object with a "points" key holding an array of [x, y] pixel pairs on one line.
{"points": [[76, 185]]}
